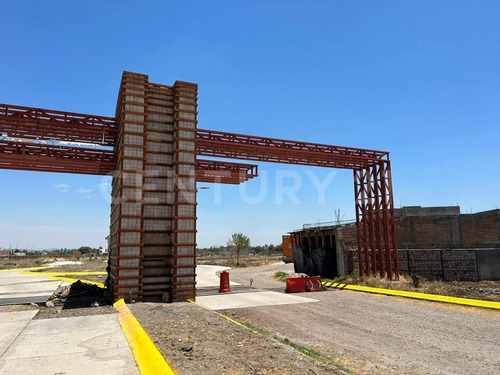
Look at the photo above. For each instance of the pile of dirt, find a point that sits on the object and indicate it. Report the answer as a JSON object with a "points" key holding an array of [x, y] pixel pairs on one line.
{"points": [[79, 294], [77, 299]]}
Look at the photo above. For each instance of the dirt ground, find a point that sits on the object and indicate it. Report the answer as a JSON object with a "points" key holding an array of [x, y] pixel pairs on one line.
{"points": [[98, 264], [198, 341], [245, 260], [90, 265], [23, 262], [376, 334]]}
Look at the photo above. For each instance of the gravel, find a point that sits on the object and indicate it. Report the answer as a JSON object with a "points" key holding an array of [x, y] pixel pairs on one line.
{"points": [[376, 334], [198, 341]]}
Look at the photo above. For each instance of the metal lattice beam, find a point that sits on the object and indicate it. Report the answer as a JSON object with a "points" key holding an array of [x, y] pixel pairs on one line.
{"points": [[248, 147], [55, 141], [50, 125]]}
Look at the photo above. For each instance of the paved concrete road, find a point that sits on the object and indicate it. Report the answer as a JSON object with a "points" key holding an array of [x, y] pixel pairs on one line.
{"points": [[77, 345], [382, 334], [206, 276], [16, 288], [241, 296]]}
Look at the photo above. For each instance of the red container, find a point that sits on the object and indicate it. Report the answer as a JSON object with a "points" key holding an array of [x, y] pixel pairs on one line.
{"points": [[313, 284], [295, 284]]}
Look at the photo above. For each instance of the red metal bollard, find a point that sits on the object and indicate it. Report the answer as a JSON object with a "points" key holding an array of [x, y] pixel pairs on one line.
{"points": [[224, 283]]}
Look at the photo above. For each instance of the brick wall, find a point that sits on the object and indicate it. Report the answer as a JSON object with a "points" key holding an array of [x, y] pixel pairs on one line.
{"points": [[446, 265], [480, 230]]}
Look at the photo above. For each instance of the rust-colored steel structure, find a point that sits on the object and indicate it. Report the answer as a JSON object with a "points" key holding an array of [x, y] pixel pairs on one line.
{"points": [[151, 148]]}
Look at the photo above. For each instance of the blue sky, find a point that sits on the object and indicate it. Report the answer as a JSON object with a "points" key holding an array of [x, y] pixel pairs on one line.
{"points": [[417, 78]]}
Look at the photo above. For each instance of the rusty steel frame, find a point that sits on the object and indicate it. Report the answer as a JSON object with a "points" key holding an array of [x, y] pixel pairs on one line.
{"points": [[47, 124], [30, 131], [376, 230], [249, 147], [224, 172]]}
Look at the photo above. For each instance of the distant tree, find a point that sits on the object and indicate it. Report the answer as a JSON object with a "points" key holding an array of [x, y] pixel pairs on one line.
{"points": [[238, 242], [85, 249]]}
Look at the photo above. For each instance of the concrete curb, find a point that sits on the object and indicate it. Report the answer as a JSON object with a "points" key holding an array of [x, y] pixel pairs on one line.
{"points": [[148, 358], [415, 295]]}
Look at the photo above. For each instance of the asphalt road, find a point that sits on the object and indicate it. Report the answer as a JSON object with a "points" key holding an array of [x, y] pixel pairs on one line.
{"points": [[377, 334]]}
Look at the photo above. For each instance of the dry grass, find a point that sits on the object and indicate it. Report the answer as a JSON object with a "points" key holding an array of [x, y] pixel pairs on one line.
{"points": [[245, 260], [484, 290], [24, 262]]}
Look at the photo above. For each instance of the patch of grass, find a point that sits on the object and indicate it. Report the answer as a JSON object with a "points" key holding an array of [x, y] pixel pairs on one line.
{"points": [[305, 350], [280, 276]]}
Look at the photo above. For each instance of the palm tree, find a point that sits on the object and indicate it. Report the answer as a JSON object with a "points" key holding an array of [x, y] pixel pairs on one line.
{"points": [[238, 242]]}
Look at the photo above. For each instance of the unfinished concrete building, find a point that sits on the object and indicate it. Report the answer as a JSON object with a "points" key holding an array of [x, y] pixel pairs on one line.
{"points": [[434, 242]]}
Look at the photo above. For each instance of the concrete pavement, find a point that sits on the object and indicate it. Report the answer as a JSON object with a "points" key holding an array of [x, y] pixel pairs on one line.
{"points": [[206, 276], [16, 288], [76, 345], [240, 297]]}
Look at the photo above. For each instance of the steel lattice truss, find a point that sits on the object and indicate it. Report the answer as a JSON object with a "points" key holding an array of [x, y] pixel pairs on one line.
{"points": [[55, 141]]}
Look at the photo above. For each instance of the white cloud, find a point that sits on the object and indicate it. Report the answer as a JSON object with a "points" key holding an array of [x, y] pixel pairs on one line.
{"points": [[63, 188], [84, 191]]}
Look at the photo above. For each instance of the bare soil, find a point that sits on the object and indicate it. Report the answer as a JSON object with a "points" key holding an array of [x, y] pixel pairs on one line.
{"points": [[24, 262], [87, 265], [376, 334], [198, 341], [245, 260], [61, 312]]}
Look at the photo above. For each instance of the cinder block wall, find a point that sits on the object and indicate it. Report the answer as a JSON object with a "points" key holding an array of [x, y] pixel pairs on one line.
{"points": [[448, 265], [430, 231]]}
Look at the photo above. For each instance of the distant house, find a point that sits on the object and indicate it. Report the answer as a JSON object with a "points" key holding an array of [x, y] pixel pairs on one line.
{"points": [[4, 253]]}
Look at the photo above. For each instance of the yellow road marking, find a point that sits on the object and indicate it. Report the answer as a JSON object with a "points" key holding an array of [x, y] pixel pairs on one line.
{"points": [[422, 296], [62, 273], [149, 360], [70, 280], [222, 315], [26, 268]]}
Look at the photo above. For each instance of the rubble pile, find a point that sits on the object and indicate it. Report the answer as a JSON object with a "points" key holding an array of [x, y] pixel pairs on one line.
{"points": [[78, 294]]}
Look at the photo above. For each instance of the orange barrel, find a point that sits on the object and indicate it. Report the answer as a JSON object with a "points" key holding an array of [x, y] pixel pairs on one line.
{"points": [[224, 283]]}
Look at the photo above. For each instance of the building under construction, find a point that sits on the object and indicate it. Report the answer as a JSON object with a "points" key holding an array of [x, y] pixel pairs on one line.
{"points": [[434, 242]]}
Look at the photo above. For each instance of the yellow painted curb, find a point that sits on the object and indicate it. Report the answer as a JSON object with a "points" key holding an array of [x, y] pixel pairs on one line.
{"points": [[62, 273], [147, 356], [415, 295], [26, 268], [70, 280]]}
